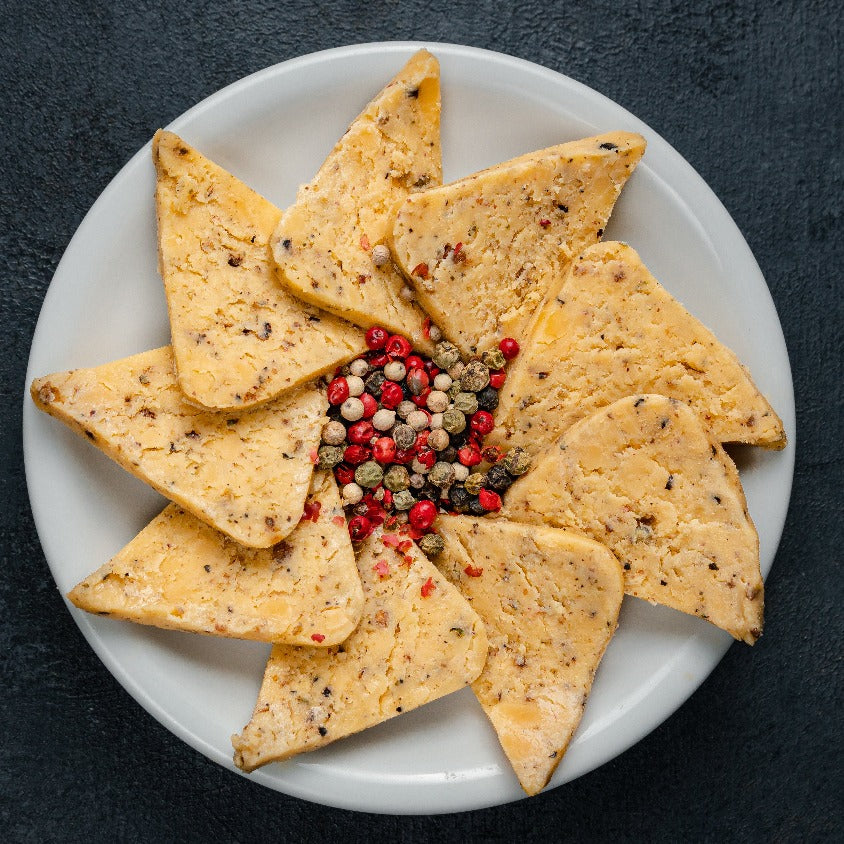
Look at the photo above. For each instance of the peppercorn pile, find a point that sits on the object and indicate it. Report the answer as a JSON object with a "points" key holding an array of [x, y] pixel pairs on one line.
{"points": [[405, 436]]}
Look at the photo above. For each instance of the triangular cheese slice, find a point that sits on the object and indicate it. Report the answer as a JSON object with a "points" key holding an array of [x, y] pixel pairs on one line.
{"points": [[325, 244], [244, 472], [417, 641], [644, 477], [611, 330], [180, 574], [482, 252], [238, 337], [550, 601]]}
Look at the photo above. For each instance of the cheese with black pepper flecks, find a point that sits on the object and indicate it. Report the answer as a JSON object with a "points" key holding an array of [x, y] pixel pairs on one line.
{"points": [[181, 574], [550, 601], [245, 472], [645, 477], [418, 640], [609, 330], [238, 337], [325, 243], [482, 252]]}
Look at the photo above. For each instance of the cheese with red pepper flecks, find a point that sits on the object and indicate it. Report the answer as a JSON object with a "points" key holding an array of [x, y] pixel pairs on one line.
{"points": [[610, 330], [417, 641], [244, 472], [550, 601], [482, 252], [645, 477], [181, 574], [325, 243], [238, 337]]}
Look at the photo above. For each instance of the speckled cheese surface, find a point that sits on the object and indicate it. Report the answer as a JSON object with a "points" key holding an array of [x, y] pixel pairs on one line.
{"points": [[418, 640], [550, 601], [610, 330], [244, 472], [482, 252], [238, 337], [324, 243], [181, 574], [644, 477]]}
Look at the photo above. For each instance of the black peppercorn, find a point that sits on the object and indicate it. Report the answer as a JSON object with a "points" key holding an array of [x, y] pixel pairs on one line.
{"points": [[449, 455], [475, 506], [488, 399], [498, 478], [459, 498], [374, 382]]}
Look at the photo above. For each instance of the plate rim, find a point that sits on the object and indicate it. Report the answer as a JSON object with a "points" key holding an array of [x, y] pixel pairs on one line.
{"points": [[677, 691]]}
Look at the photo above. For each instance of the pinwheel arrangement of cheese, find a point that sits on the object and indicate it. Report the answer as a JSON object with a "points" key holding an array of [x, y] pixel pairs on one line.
{"points": [[620, 397]]}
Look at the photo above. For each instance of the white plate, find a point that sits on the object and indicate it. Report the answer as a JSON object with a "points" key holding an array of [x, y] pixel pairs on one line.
{"points": [[273, 130]]}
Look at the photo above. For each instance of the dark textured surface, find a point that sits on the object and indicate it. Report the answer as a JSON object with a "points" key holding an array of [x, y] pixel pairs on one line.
{"points": [[751, 95]]}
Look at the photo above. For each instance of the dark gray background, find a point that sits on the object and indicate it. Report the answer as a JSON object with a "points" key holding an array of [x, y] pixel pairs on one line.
{"points": [[750, 94]]}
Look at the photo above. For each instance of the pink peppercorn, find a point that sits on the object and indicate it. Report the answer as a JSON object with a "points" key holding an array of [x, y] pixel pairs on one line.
{"points": [[370, 406], [469, 456], [481, 422], [422, 514], [359, 528], [392, 395], [361, 433], [489, 500], [497, 377], [509, 348], [376, 337], [398, 346], [384, 450], [338, 391], [356, 454]]}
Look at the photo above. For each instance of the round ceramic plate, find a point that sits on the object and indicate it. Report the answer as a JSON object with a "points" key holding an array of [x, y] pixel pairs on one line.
{"points": [[273, 130]]}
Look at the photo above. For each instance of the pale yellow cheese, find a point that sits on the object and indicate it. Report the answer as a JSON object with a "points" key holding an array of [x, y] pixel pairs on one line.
{"points": [[238, 337], [324, 243], [644, 477], [483, 252], [244, 472], [611, 330], [549, 600], [415, 643], [181, 574]]}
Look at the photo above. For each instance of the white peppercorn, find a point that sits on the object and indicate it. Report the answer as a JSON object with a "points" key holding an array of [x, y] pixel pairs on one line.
{"points": [[442, 381], [352, 493], [352, 409], [437, 401], [418, 420], [395, 370], [359, 367], [383, 419], [380, 255], [334, 433]]}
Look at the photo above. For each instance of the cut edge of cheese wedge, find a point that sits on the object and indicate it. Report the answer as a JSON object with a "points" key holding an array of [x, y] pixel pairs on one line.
{"points": [[482, 252], [238, 338], [418, 640], [610, 330], [325, 244], [644, 477], [244, 472], [180, 574], [550, 601]]}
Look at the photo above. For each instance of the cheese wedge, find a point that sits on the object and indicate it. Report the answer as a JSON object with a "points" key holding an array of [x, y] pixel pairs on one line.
{"points": [[550, 601], [324, 245], [611, 330], [180, 574], [418, 640], [482, 252], [238, 337], [644, 477], [245, 474]]}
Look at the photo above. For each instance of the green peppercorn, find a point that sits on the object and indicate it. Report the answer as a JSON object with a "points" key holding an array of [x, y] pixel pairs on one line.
{"points": [[474, 482], [517, 461], [494, 359], [454, 390], [397, 478], [404, 436], [403, 500], [475, 377], [441, 474], [329, 456], [431, 544], [369, 474], [454, 421], [446, 354], [466, 403]]}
